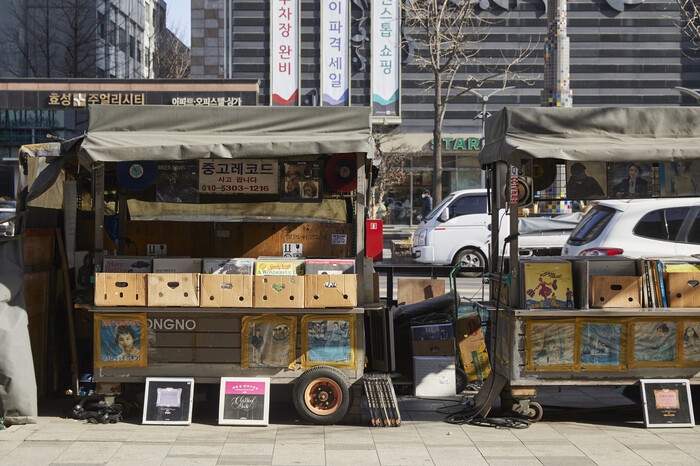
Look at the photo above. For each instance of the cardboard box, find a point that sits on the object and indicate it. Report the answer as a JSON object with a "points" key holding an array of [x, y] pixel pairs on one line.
{"points": [[472, 347], [219, 290], [177, 265], [278, 291], [330, 291], [126, 264], [278, 266], [415, 290], [615, 291], [683, 289], [173, 289], [120, 289], [434, 376], [433, 340], [228, 266], [329, 266]]}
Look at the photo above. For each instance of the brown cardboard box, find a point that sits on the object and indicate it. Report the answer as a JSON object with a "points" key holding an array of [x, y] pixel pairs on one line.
{"points": [[415, 290], [120, 289], [615, 291], [173, 289], [472, 347], [219, 290], [683, 289], [338, 290], [283, 291]]}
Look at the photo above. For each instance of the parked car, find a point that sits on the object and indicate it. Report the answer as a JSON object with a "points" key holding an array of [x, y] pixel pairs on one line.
{"points": [[7, 210], [638, 228]]}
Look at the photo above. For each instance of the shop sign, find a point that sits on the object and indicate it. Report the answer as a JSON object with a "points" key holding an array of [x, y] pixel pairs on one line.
{"points": [[452, 143], [82, 99], [284, 50], [207, 101], [386, 54], [240, 176], [335, 66]]}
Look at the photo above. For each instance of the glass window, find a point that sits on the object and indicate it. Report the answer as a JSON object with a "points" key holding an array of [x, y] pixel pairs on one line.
{"points": [[132, 46], [694, 233], [652, 226], [674, 220], [467, 205], [591, 226]]}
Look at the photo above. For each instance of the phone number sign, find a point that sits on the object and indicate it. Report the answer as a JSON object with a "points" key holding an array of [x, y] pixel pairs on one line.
{"points": [[239, 176]]}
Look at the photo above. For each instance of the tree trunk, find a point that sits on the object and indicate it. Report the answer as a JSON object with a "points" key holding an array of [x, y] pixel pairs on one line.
{"points": [[437, 142]]}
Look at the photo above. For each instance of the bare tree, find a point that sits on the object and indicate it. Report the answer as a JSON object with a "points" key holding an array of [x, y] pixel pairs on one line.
{"points": [[447, 35], [171, 57], [392, 158], [690, 21]]}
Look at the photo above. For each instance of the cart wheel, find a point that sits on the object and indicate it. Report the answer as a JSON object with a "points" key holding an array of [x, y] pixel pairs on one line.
{"points": [[535, 412], [471, 258], [322, 395], [462, 380]]}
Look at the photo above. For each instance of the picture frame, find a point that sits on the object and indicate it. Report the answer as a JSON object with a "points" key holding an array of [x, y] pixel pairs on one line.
{"points": [[677, 179], [268, 340], [328, 340], [547, 285], [120, 340], [653, 343], [302, 181], [603, 345], [619, 178], [548, 345], [168, 400], [586, 180], [690, 343], [244, 401], [667, 403], [177, 181]]}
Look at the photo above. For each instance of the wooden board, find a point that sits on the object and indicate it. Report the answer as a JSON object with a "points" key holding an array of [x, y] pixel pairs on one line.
{"points": [[414, 290]]}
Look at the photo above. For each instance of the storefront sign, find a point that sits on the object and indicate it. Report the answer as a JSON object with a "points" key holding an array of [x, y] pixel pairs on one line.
{"points": [[207, 101], [284, 62], [386, 58], [240, 176], [81, 99], [335, 66], [452, 143]]}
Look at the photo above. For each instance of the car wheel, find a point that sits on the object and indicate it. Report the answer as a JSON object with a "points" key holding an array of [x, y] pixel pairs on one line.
{"points": [[322, 395], [471, 258]]}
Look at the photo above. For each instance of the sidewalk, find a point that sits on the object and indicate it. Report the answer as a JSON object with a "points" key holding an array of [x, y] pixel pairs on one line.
{"points": [[567, 435]]}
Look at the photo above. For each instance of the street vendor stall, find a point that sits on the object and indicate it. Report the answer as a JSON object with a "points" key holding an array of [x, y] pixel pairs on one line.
{"points": [[221, 209], [546, 327]]}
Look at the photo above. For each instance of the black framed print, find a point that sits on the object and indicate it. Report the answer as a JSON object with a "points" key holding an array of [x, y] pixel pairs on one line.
{"points": [[302, 182], [244, 401], [667, 403], [168, 400]]}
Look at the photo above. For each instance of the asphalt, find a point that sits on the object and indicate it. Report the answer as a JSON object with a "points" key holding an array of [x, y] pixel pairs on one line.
{"points": [[581, 425]]}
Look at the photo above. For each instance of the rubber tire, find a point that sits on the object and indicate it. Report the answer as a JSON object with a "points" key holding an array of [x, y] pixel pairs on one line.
{"points": [[461, 379], [307, 380], [539, 412], [477, 259]]}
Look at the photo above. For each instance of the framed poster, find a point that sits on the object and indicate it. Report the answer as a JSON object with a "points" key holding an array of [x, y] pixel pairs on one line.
{"points": [[667, 403], [120, 340], [302, 182], [548, 285], [690, 355], [630, 180], [549, 345], [268, 341], [168, 400], [328, 340], [653, 343], [177, 182], [602, 345], [244, 401], [679, 178], [586, 180]]}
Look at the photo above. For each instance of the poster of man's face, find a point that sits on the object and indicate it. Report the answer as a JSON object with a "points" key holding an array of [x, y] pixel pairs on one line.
{"points": [[177, 182], [586, 180], [630, 180], [302, 182]]}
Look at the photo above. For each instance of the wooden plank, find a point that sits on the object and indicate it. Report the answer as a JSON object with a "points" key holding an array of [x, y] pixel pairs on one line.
{"points": [[192, 322], [194, 354], [191, 339]]}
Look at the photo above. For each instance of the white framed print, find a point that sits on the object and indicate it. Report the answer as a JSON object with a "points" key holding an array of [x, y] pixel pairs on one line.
{"points": [[244, 401], [168, 400], [667, 403]]}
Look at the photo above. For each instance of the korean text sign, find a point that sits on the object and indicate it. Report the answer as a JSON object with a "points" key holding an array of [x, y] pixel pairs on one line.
{"points": [[239, 176]]}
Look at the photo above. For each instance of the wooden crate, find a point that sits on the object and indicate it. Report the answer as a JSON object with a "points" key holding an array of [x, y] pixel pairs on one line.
{"points": [[612, 291], [218, 290], [173, 289], [283, 291], [338, 290], [120, 289]]}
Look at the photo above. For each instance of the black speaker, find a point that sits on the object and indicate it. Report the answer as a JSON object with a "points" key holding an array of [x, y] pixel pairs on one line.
{"points": [[525, 187]]}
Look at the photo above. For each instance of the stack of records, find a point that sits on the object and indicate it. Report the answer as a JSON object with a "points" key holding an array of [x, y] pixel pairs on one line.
{"points": [[381, 399]]}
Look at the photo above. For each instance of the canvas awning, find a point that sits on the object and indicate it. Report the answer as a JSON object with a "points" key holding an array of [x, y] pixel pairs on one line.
{"points": [[154, 132], [651, 134]]}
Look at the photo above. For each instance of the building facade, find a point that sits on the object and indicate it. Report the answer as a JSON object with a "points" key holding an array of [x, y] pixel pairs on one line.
{"points": [[621, 54]]}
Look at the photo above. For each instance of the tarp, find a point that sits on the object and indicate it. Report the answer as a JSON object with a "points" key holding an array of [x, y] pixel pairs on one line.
{"points": [[154, 132], [651, 134], [565, 222]]}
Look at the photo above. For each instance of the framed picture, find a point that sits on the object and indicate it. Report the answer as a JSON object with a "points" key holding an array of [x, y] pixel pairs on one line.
{"points": [[653, 343], [602, 345], [244, 401], [690, 355], [549, 345], [120, 340], [178, 182], [630, 180], [302, 182], [667, 403], [168, 400], [268, 341], [586, 180], [679, 178], [548, 285], [328, 340]]}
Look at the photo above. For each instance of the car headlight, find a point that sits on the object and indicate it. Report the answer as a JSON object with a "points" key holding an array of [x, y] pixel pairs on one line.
{"points": [[419, 238]]}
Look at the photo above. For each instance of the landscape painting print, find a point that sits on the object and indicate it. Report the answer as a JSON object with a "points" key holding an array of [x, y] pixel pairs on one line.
{"points": [[655, 342], [328, 340], [268, 341], [551, 345], [601, 344], [548, 285]]}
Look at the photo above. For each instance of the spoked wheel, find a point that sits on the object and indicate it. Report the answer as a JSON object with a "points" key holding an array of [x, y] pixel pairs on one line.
{"points": [[471, 258], [322, 395]]}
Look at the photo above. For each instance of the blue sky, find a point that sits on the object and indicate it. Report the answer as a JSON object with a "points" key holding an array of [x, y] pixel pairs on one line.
{"points": [[178, 19]]}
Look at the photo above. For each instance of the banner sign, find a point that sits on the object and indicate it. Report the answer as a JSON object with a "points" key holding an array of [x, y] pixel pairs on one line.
{"points": [[335, 63], [386, 58], [239, 176], [284, 62]]}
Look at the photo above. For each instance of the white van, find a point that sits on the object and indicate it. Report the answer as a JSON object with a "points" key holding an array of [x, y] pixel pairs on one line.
{"points": [[459, 229]]}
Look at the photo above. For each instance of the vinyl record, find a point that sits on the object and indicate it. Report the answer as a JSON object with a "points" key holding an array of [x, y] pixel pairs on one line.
{"points": [[136, 176], [341, 172]]}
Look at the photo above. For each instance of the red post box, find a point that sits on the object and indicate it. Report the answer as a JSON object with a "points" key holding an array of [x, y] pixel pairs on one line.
{"points": [[374, 239]]}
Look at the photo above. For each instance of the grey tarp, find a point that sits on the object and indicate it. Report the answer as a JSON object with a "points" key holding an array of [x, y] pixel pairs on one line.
{"points": [[18, 391], [154, 132], [558, 223], [652, 134]]}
